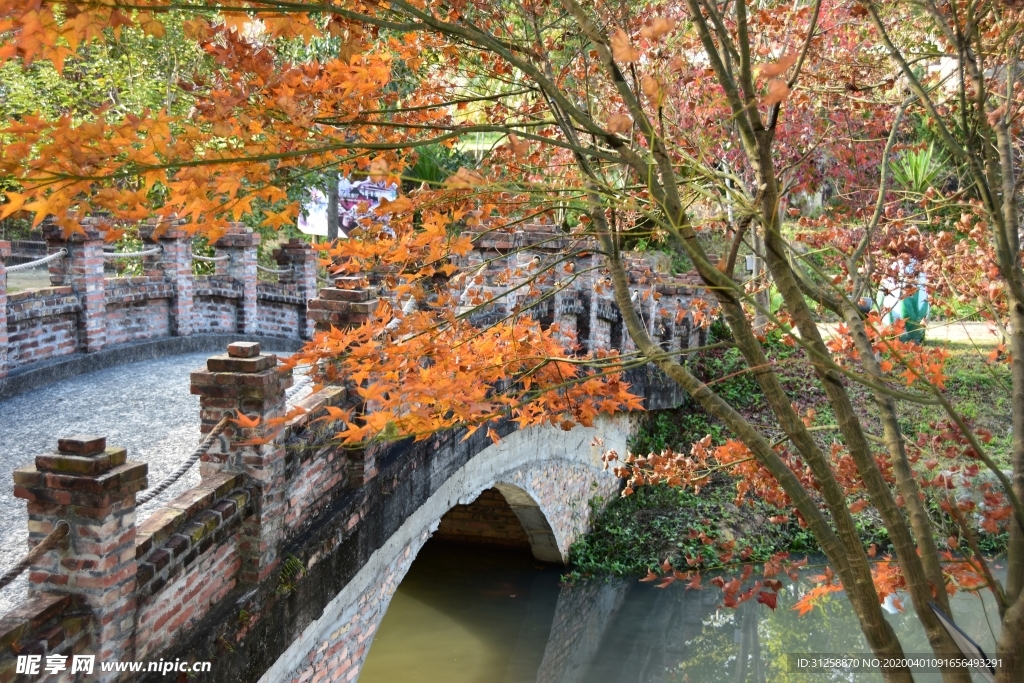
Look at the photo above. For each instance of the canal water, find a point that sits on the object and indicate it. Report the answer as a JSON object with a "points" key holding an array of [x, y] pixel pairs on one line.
{"points": [[476, 614]]}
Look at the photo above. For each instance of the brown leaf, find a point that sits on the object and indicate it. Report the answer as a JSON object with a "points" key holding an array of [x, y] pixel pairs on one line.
{"points": [[379, 170], [464, 178], [619, 123], [785, 61], [778, 91], [657, 27], [651, 86], [768, 599], [622, 50], [520, 148], [996, 115]]}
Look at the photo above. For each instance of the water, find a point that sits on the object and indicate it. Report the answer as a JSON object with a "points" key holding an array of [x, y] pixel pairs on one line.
{"points": [[473, 614]]}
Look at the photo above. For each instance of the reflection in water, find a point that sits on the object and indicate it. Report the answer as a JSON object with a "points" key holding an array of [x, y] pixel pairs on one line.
{"points": [[466, 614], [473, 614]]}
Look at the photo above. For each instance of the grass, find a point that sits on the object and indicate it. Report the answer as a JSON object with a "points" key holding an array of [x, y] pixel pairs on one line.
{"points": [[634, 534]]}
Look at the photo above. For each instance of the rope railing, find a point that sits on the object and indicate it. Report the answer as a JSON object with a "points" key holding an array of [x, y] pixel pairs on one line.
{"points": [[130, 254], [38, 262], [52, 539], [187, 465], [275, 271], [210, 259]]}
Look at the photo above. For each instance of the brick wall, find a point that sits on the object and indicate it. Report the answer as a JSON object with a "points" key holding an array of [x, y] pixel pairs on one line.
{"points": [[42, 324], [137, 308], [85, 311], [215, 304], [280, 309], [45, 625], [488, 520], [188, 555]]}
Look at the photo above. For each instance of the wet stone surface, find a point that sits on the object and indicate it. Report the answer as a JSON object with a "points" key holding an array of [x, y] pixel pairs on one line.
{"points": [[144, 407]]}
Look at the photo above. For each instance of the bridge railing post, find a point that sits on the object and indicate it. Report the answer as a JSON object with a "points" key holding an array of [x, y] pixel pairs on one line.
{"points": [[174, 264], [92, 488], [5, 253], [248, 383], [301, 261], [239, 244], [350, 303], [82, 270]]}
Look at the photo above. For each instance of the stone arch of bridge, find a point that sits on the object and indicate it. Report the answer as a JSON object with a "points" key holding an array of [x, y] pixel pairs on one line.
{"points": [[505, 515], [543, 543], [546, 475]]}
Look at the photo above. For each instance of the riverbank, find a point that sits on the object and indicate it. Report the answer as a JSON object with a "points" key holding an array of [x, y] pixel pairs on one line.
{"points": [[634, 534]]}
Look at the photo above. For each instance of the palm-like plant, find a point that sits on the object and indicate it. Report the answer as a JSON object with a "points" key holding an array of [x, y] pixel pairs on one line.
{"points": [[916, 171]]}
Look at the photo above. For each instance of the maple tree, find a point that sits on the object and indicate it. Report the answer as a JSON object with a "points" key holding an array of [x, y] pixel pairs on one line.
{"points": [[695, 124]]}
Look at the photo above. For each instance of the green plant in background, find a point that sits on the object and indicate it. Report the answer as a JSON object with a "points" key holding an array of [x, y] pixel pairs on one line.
{"points": [[916, 171], [434, 163], [129, 242], [202, 246]]}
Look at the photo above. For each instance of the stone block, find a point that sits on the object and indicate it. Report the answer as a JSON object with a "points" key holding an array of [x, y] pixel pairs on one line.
{"points": [[244, 349], [345, 294], [233, 364], [86, 465], [161, 524], [82, 445]]}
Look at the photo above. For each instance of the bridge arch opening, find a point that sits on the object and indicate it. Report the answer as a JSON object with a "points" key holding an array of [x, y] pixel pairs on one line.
{"points": [[504, 515]]}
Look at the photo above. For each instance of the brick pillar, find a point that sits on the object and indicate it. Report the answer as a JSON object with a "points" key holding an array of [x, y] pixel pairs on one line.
{"points": [[174, 264], [350, 303], [248, 381], [82, 270], [5, 253], [92, 488], [240, 244], [302, 259]]}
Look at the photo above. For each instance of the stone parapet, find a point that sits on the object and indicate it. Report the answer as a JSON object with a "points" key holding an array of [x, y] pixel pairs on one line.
{"points": [[247, 384], [82, 270], [174, 265], [239, 244], [92, 488], [45, 626]]}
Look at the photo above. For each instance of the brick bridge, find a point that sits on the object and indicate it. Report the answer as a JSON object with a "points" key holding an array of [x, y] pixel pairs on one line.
{"points": [[87, 320], [280, 565]]}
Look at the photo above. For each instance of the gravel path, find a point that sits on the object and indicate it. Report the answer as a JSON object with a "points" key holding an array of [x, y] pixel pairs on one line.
{"points": [[145, 407]]}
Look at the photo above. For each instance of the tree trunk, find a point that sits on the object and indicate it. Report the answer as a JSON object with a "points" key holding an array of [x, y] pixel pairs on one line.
{"points": [[332, 209]]}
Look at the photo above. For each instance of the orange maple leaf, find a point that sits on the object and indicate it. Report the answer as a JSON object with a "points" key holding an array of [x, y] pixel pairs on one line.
{"points": [[246, 422]]}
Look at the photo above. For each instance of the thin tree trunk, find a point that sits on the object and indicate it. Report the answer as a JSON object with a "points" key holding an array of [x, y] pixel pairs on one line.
{"points": [[905, 481], [332, 209], [1010, 644]]}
